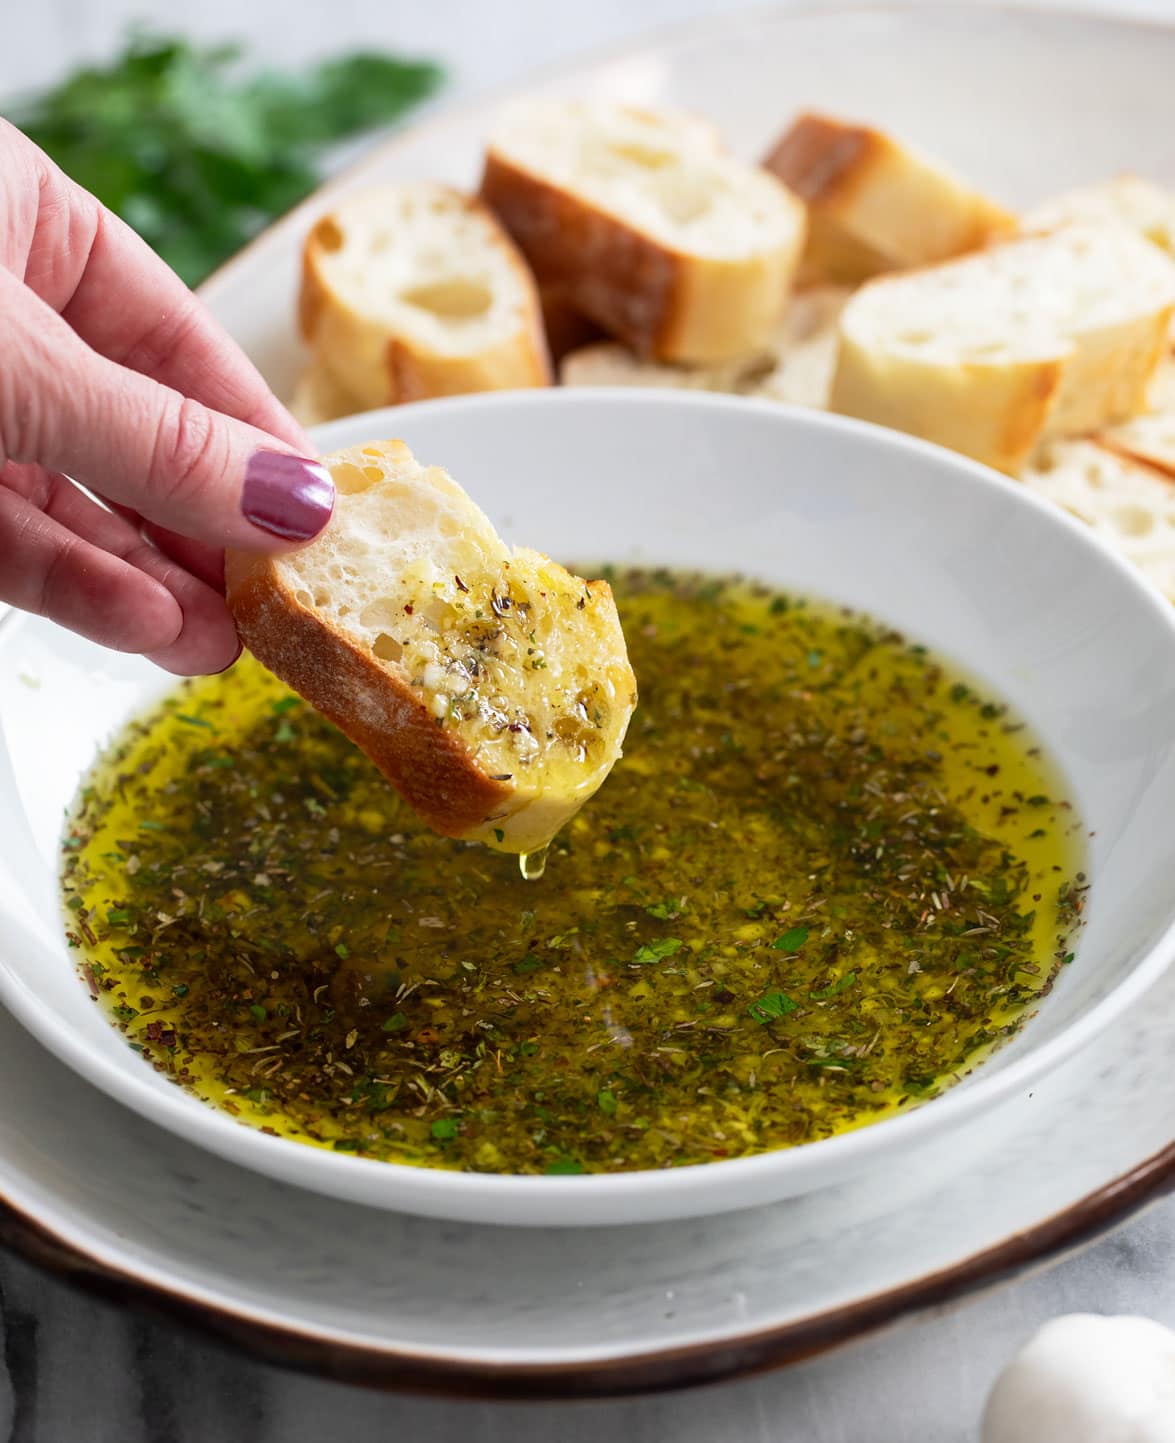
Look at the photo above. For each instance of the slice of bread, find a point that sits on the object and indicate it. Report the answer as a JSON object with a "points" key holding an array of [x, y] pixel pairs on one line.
{"points": [[1149, 439], [1130, 506], [876, 205], [647, 226], [608, 363], [412, 291], [489, 685], [566, 328], [1128, 200], [802, 375], [798, 368], [1031, 339], [319, 397]]}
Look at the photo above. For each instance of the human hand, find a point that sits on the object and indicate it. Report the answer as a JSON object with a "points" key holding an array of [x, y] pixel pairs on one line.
{"points": [[112, 373]]}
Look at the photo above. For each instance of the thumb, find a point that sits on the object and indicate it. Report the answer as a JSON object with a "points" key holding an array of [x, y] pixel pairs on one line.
{"points": [[140, 444]]}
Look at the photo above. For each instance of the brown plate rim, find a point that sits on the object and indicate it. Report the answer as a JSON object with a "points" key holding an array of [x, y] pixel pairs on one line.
{"points": [[683, 1366], [395, 1368]]}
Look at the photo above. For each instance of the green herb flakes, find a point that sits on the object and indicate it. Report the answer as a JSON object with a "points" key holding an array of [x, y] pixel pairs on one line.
{"points": [[846, 904]]}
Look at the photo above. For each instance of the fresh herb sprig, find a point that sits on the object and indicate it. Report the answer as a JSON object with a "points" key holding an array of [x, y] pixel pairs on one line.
{"points": [[197, 153]]}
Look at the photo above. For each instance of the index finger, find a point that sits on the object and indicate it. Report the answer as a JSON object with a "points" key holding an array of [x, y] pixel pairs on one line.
{"points": [[129, 306]]}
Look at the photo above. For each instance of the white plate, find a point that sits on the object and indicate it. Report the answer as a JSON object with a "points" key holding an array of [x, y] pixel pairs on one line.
{"points": [[95, 1190], [948, 552]]}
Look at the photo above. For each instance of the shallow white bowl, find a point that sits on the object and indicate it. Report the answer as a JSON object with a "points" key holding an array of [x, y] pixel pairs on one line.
{"points": [[950, 553]]}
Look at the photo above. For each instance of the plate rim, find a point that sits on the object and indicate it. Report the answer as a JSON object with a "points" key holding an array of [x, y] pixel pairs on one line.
{"points": [[400, 1369], [396, 1368]]}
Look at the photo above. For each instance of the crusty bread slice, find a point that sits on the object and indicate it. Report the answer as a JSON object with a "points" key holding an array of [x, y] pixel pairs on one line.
{"points": [[798, 368], [1128, 200], [647, 225], [802, 375], [1130, 506], [319, 397], [875, 204], [412, 291], [608, 363], [566, 328], [1031, 339], [1150, 438], [489, 685]]}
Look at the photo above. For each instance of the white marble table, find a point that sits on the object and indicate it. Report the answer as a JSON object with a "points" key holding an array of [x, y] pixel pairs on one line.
{"points": [[73, 1370]]}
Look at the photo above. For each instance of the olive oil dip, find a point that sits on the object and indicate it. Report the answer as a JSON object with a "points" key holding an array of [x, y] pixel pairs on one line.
{"points": [[827, 876]]}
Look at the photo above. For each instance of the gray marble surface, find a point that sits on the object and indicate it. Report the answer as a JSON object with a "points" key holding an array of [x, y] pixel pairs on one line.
{"points": [[75, 1370]]}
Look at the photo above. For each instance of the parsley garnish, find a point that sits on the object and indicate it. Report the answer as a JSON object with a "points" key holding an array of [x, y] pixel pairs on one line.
{"points": [[771, 1005], [840, 985], [199, 157], [656, 951]]}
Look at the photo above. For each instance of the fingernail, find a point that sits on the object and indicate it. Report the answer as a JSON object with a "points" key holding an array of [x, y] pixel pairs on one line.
{"points": [[289, 496]]}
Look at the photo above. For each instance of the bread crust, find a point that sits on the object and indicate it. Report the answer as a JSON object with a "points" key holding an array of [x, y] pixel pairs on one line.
{"points": [[381, 368], [874, 206], [923, 400], [660, 302], [430, 768]]}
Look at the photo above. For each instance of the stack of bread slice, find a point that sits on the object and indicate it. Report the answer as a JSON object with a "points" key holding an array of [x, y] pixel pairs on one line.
{"points": [[849, 270]]}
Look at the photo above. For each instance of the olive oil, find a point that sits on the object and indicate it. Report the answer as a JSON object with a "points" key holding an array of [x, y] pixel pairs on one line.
{"points": [[826, 877], [532, 865]]}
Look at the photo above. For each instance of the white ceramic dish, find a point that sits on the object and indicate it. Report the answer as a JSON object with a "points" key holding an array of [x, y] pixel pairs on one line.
{"points": [[949, 553]]}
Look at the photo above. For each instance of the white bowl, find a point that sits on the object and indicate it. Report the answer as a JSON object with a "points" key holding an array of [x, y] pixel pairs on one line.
{"points": [[947, 551]]}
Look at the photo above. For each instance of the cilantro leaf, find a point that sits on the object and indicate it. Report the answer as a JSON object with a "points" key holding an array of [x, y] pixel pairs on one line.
{"points": [[771, 1006], [656, 951], [840, 985]]}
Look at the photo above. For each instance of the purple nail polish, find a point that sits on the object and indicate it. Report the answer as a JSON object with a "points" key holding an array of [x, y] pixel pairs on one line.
{"points": [[289, 496]]}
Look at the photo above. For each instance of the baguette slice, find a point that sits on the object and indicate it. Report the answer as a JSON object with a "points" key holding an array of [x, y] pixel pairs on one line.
{"points": [[608, 363], [647, 226], [413, 291], [1130, 506], [318, 397], [1032, 339], [490, 686], [1126, 200], [566, 328], [876, 205], [802, 375], [1150, 439], [798, 370]]}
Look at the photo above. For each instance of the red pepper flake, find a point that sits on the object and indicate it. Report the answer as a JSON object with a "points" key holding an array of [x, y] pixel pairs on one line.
{"points": [[154, 1031], [91, 980]]}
